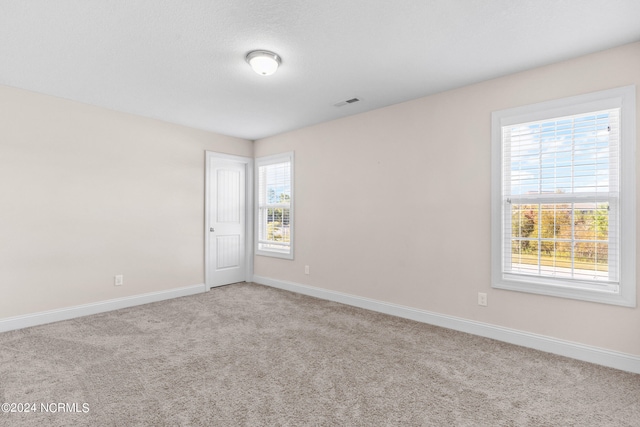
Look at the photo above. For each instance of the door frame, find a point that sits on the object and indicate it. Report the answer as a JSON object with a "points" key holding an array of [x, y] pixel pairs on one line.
{"points": [[210, 158]]}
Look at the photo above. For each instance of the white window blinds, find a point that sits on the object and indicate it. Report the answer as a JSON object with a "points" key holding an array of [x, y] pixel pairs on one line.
{"points": [[275, 209], [560, 197]]}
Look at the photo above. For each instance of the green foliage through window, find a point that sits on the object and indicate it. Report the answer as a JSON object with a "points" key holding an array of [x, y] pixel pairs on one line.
{"points": [[561, 235]]}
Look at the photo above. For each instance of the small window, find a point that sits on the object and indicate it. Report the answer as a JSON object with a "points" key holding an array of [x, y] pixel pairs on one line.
{"points": [[564, 198], [274, 175]]}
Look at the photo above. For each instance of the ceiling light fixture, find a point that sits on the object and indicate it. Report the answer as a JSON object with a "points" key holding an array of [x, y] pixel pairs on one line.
{"points": [[263, 62]]}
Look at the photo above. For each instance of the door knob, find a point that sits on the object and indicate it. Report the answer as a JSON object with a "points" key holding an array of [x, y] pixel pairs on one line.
{"points": [[211, 229]]}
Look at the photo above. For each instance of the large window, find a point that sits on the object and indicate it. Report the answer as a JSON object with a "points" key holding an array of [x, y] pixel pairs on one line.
{"points": [[564, 197], [274, 176]]}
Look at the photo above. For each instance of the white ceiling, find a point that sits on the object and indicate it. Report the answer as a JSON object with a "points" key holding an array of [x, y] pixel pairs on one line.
{"points": [[183, 60]]}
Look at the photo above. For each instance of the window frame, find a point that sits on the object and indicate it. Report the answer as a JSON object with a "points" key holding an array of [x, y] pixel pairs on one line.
{"points": [[622, 98], [267, 161]]}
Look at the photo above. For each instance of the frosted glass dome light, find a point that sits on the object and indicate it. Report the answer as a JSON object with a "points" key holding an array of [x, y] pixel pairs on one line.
{"points": [[263, 62]]}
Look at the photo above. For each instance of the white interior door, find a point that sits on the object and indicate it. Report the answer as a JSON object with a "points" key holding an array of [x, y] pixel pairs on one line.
{"points": [[227, 220]]}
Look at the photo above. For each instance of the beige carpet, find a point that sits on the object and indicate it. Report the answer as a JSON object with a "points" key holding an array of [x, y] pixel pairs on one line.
{"points": [[248, 355]]}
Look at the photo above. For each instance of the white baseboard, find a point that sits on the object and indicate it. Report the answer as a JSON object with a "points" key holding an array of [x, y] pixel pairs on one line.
{"points": [[19, 322], [600, 356]]}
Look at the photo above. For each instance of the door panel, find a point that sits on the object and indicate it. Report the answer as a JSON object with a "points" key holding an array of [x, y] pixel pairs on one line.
{"points": [[227, 251], [228, 202]]}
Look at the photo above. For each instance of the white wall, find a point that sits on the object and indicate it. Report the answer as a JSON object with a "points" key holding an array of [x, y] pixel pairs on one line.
{"points": [[87, 193], [394, 204]]}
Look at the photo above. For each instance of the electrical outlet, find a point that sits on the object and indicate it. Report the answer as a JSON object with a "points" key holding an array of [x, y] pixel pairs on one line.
{"points": [[119, 280], [306, 269], [482, 299]]}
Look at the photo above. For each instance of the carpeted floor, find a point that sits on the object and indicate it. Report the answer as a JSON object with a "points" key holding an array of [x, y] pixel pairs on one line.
{"points": [[249, 355]]}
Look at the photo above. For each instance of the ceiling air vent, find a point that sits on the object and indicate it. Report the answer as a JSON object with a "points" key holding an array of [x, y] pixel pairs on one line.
{"points": [[348, 101]]}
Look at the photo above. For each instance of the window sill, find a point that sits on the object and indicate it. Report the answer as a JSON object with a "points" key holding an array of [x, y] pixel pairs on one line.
{"points": [[274, 254], [569, 291]]}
